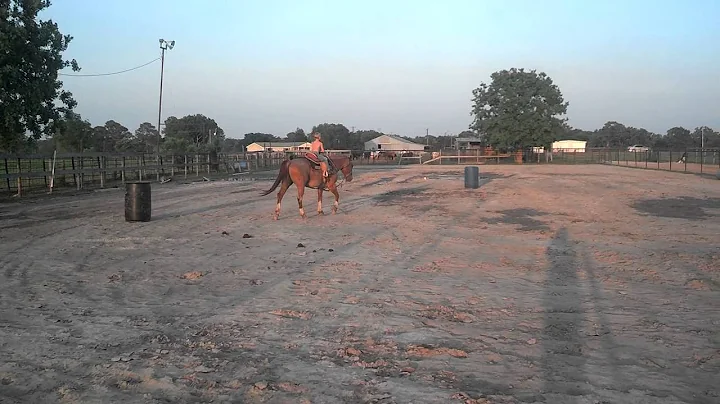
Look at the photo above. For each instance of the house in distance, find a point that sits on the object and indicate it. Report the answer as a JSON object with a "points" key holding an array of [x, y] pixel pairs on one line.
{"points": [[392, 143], [258, 147]]}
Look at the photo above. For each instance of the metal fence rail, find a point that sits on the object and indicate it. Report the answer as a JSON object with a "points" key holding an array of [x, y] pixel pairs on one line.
{"points": [[698, 161], [21, 174], [37, 173]]}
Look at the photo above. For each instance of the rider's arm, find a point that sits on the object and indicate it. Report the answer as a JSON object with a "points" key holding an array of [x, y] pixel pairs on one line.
{"points": [[322, 148]]}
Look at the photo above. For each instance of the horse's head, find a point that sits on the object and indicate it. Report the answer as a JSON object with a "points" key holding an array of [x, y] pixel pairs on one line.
{"points": [[346, 166]]}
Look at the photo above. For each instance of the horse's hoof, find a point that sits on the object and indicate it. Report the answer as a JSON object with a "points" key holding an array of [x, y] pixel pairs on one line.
{"points": [[334, 211], [320, 212], [275, 217], [303, 216]]}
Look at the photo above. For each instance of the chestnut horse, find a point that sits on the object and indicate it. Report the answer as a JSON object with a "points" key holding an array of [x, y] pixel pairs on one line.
{"points": [[304, 172]]}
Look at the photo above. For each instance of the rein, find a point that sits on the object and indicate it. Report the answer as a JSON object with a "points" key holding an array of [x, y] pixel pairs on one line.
{"points": [[342, 181]]}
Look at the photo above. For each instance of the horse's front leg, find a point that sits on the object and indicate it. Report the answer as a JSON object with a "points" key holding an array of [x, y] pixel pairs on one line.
{"points": [[335, 192], [301, 193], [320, 196]]}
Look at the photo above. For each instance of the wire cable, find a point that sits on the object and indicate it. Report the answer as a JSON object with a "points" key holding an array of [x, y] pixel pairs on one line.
{"points": [[109, 74]]}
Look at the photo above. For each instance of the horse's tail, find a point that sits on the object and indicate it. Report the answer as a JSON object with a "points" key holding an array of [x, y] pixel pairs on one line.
{"points": [[284, 172]]}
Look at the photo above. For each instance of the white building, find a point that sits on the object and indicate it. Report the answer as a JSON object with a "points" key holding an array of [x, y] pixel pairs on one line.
{"points": [[277, 147], [566, 146], [569, 146], [392, 143]]}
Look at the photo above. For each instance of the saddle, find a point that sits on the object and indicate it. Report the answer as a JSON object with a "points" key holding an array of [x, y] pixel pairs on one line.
{"points": [[313, 158]]}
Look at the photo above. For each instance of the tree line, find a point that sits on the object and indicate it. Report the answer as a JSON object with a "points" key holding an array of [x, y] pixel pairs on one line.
{"points": [[517, 109], [200, 134]]}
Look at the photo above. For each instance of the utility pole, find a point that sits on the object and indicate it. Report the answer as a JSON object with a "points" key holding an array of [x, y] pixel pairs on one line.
{"points": [[702, 137], [164, 45], [427, 136]]}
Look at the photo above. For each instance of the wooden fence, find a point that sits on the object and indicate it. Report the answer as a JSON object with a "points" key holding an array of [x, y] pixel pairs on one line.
{"points": [[20, 174]]}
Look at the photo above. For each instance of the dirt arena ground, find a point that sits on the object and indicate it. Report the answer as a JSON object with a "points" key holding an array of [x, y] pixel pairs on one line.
{"points": [[548, 284]]}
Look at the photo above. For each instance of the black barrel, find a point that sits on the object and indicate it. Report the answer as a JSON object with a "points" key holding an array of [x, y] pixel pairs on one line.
{"points": [[138, 201], [472, 177]]}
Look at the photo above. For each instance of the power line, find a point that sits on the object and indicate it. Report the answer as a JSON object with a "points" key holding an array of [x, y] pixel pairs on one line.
{"points": [[109, 74]]}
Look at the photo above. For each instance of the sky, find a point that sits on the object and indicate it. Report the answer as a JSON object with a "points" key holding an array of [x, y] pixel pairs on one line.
{"points": [[398, 66]]}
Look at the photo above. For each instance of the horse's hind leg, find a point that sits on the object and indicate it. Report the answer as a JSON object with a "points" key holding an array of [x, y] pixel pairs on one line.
{"points": [[301, 193], [320, 195], [283, 188]]}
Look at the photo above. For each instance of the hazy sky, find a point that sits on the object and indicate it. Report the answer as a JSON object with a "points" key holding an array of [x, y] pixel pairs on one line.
{"points": [[400, 66]]}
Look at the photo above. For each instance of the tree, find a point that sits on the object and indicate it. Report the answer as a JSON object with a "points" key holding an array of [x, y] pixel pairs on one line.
{"points": [[118, 137], [334, 135], [298, 135], [74, 133], [147, 137], [250, 138], [518, 109], [232, 146], [712, 138], [194, 131], [30, 59], [680, 138]]}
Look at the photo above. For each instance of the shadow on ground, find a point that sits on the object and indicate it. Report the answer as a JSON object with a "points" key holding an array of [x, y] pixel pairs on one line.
{"points": [[684, 207], [521, 217]]}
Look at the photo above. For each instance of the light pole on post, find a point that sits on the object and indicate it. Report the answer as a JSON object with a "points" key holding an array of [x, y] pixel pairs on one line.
{"points": [[164, 45]]}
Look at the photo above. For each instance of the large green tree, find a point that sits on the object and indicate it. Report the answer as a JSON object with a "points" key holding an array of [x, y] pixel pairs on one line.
{"points": [[334, 135], [193, 133], [518, 109], [74, 134], [146, 136], [32, 101], [258, 137], [298, 135]]}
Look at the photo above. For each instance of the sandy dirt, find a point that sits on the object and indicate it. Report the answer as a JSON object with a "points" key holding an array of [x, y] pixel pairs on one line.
{"points": [[554, 284]]}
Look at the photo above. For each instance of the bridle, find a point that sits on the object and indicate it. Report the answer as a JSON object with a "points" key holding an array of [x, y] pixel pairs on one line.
{"points": [[340, 184]]}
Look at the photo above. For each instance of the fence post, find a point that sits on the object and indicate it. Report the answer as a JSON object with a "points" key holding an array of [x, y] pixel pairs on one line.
{"points": [[101, 161], [7, 171], [685, 160], [19, 178], [72, 164], [45, 171], [122, 170]]}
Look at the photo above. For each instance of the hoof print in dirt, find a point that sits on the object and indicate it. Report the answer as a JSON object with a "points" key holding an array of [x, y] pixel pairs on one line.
{"points": [[330, 250], [246, 236], [256, 282], [224, 233], [191, 276], [301, 245]]}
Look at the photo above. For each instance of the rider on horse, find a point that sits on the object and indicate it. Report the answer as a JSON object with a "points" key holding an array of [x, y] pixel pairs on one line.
{"points": [[317, 147]]}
